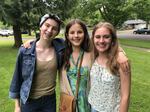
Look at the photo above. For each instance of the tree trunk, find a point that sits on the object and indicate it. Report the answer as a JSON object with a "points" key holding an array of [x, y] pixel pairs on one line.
{"points": [[29, 32], [17, 36], [147, 23]]}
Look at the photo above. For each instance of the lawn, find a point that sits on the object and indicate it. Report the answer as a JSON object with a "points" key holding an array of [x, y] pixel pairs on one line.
{"points": [[7, 61], [140, 98], [140, 61], [135, 42]]}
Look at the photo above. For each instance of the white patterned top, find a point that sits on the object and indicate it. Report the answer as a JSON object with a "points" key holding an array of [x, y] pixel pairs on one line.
{"points": [[104, 95]]}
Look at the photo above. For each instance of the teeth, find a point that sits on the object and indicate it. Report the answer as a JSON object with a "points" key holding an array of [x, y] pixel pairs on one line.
{"points": [[100, 45], [76, 40]]}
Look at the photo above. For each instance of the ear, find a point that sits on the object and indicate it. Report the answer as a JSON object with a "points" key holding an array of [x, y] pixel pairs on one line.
{"points": [[40, 28], [112, 43], [67, 36]]}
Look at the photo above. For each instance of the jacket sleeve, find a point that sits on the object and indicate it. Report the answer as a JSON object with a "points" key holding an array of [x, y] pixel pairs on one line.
{"points": [[59, 46], [14, 91]]}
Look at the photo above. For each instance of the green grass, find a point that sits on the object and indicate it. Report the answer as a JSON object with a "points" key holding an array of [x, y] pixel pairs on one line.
{"points": [[140, 98], [140, 61], [135, 42], [7, 60]]}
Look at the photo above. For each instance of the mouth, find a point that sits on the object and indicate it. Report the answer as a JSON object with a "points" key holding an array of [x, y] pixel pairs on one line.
{"points": [[101, 46], [48, 35], [76, 40]]}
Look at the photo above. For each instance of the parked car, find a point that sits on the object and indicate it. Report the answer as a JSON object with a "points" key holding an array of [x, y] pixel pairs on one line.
{"points": [[24, 32], [142, 31], [6, 33]]}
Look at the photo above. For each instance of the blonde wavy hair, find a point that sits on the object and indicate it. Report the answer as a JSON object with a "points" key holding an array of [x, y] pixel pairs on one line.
{"points": [[113, 50]]}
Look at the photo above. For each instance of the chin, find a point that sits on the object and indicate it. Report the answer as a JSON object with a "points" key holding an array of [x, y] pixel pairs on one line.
{"points": [[102, 50]]}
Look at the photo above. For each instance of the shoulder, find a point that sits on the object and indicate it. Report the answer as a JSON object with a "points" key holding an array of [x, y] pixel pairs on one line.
{"points": [[86, 56], [58, 43], [87, 59], [22, 49], [89, 56]]}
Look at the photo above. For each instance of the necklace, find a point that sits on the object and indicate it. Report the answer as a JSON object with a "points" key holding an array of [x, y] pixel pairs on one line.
{"points": [[79, 57]]}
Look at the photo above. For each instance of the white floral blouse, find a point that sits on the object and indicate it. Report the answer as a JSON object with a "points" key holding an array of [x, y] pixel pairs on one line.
{"points": [[104, 95]]}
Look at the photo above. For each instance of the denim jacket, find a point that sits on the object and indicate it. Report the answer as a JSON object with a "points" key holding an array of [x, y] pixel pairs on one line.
{"points": [[25, 68]]}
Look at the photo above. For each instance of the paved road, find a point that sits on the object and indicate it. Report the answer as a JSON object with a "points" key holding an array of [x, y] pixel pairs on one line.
{"points": [[135, 36], [121, 34], [12, 38], [129, 34]]}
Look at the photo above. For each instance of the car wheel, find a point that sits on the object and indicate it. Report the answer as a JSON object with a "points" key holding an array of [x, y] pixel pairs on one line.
{"points": [[145, 33]]}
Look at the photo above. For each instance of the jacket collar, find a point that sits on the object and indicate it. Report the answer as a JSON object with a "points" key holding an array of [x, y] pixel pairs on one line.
{"points": [[57, 43]]}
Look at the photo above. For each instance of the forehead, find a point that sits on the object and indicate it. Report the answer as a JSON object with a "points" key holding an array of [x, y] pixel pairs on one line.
{"points": [[102, 30], [76, 26], [52, 22]]}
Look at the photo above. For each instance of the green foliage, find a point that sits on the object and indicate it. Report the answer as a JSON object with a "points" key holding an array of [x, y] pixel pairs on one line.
{"points": [[93, 11], [141, 10], [25, 14], [113, 11], [2, 26], [86, 11]]}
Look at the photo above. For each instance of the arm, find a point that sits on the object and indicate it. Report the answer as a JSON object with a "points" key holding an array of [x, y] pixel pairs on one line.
{"points": [[14, 91], [123, 60], [17, 105], [125, 89], [27, 43]]}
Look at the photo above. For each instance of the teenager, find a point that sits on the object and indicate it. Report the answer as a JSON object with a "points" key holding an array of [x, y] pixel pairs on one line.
{"points": [[34, 80], [110, 84]]}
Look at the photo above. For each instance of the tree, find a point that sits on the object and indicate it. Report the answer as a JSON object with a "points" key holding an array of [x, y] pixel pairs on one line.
{"points": [[86, 12], [1, 9], [25, 14], [63, 8], [13, 17], [141, 8], [113, 11]]}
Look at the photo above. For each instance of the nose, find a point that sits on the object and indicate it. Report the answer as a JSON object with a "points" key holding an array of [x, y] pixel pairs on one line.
{"points": [[49, 29], [101, 39], [76, 34]]}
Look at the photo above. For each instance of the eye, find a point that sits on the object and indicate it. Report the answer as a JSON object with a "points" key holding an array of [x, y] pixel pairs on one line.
{"points": [[55, 28], [97, 36], [47, 25], [107, 36], [71, 32], [80, 32]]}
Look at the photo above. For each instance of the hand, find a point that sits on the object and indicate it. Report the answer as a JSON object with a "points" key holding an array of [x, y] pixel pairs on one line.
{"points": [[123, 62], [27, 44], [17, 109], [17, 105]]}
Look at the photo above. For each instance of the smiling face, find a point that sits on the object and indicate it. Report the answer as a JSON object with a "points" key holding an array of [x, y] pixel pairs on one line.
{"points": [[102, 39], [76, 35], [49, 29]]}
